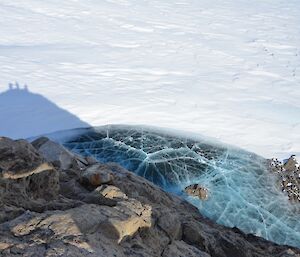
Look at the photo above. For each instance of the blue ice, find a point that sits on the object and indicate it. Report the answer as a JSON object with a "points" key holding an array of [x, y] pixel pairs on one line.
{"points": [[242, 192]]}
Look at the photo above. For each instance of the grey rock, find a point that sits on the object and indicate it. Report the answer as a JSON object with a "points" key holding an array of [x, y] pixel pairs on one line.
{"points": [[171, 224], [19, 159], [27, 181], [291, 164], [58, 155], [182, 249]]}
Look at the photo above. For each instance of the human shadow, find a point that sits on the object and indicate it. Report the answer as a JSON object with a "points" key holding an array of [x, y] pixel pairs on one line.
{"points": [[26, 114]]}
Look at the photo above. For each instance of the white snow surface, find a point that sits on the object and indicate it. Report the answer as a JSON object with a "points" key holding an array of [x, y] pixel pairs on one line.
{"points": [[227, 69]]}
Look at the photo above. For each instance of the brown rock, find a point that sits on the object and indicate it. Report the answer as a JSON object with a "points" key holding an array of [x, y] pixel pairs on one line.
{"points": [[197, 190], [96, 175]]}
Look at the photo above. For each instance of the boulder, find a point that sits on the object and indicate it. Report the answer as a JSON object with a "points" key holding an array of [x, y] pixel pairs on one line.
{"points": [[19, 159], [25, 175], [58, 155], [96, 175], [197, 190]]}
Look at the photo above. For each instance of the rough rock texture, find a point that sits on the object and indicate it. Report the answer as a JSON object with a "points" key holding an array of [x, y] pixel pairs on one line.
{"points": [[27, 181], [288, 174], [178, 247], [96, 175], [64, 213]]}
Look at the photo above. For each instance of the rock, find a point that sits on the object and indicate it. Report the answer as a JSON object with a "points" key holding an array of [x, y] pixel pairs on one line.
{"points": [[182, 249], [197, 190], [58, 155], [135, 216], [291, 165], [96, 198], [26, 179], [111, 192], [9, 212], [171, 224], [19, 159], [96, 175], [91, 160], [288, 177], [4, 246], [74, 190], [72, 222], [88, 216], [222, 244]]}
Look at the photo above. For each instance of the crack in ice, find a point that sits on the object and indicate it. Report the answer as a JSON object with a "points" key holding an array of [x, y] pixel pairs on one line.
{"points": [[242, 192]]}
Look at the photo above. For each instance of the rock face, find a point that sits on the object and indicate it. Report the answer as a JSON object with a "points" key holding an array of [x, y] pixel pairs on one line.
{"points": [[288, 174], [27, 181], [197, 191], [58, 204]]}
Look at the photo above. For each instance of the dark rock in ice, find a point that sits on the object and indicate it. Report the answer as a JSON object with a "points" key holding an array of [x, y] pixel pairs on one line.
{"points": [[197, 190]]}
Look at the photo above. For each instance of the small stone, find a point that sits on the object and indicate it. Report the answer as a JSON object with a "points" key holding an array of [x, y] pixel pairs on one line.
{"points": [[4, 245], [197, 190]]}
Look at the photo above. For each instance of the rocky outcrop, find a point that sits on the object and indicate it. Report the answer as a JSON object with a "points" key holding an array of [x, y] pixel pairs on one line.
{"points": [[58, 204], [288, 176], [27, 180]]}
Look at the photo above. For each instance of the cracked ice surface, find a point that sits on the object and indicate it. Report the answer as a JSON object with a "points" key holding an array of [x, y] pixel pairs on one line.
{"points": [[242, 192]]}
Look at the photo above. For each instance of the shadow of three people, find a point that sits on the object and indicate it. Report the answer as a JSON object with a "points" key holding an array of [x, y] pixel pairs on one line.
{"points": [[26, 114]]}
